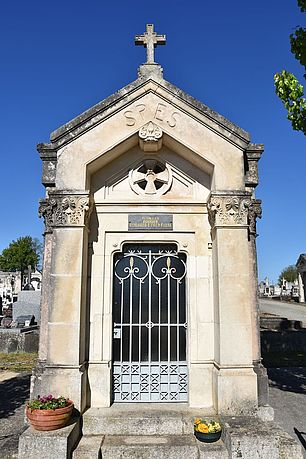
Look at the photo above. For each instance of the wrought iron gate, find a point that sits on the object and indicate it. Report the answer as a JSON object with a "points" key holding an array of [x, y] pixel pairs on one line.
{"points": [[150, 324]]}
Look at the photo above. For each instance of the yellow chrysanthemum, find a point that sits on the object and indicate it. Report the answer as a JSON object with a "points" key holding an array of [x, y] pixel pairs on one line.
{"points": [[197, 421], [202, 428]]}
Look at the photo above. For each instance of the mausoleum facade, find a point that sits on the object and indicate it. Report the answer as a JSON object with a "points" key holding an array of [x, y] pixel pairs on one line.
{"points": [[150, 218]]}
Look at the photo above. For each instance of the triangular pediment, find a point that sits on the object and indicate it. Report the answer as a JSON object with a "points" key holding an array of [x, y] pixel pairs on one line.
{"points": [[125, 97], [114, 125]]}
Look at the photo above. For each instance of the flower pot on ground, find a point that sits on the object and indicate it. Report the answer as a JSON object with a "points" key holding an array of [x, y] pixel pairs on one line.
{"points": [[207, 431], [48, 412]]}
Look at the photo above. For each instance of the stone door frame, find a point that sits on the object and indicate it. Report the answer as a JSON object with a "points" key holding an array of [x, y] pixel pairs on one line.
{"points": [[101, 395]]}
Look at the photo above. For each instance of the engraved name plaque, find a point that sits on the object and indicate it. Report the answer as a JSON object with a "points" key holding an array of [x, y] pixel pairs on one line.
{"points": [[150, 222]]}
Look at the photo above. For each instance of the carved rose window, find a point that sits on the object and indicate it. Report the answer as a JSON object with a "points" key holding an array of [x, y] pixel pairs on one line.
{"points": [[151, 178]]}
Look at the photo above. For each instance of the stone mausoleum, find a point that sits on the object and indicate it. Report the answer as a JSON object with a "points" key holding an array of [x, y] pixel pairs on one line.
{"points": [[150, 196], [150, 219]]}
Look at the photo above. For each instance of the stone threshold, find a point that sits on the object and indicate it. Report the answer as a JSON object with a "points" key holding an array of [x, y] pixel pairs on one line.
{"points": [[143, 419]]}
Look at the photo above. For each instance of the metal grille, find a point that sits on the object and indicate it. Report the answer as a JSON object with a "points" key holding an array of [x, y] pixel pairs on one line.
{"points": [[149, 335]]}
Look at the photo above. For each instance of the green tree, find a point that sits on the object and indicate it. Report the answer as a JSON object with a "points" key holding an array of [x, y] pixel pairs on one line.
{"points": [[289, 274], [20, 254], [287, 86]]}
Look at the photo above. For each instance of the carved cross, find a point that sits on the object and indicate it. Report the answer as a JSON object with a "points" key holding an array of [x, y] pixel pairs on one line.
{"points": [[150, 40]]}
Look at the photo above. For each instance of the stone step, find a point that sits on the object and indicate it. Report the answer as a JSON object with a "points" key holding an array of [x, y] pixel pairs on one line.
{"points": [[251, 438], [89, 447], [161, 447], [145, 420]]}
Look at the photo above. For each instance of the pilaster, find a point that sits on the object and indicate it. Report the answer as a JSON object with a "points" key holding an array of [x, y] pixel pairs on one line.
{"points": [[235, 379], [63, 341]]}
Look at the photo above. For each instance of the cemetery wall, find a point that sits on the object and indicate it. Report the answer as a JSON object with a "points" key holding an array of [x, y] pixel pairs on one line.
{"points": [[16, 341]]}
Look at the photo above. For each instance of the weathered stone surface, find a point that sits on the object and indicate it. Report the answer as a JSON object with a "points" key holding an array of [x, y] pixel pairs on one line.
{"points": [[89, 447], [212, 450], [13, 340], [250, 438], [57, 444], [90, 118], [140, 422], [149, 447]]}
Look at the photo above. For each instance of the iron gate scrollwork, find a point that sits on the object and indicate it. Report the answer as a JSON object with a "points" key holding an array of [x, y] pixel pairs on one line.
{"points": [[150, 325]]}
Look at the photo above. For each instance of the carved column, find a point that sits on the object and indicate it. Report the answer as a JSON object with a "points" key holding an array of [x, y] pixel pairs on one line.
{"points": [[66, 214], [255, 212], [235, 379]]}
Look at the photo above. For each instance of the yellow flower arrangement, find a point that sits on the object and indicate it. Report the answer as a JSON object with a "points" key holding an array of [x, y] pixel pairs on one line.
{"points": [[200, 425]]}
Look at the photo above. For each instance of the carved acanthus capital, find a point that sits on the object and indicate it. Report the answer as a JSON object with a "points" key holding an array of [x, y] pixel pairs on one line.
{"points": [[45, 210], [255, 211], [228, 209], [65, 209], [150, 137]]}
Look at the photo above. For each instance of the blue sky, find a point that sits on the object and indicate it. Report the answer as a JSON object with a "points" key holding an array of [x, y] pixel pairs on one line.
{"points": [[59, 58]]}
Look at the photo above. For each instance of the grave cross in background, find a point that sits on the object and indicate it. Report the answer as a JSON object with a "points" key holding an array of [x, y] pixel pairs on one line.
{"points": [[150, 40]]}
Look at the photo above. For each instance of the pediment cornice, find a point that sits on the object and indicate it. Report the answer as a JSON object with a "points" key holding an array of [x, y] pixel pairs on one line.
{"points": [[179, 99]]}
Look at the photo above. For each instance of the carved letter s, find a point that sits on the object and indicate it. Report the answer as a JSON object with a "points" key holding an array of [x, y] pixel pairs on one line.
{"points": [[130, 121], [173, 124]]}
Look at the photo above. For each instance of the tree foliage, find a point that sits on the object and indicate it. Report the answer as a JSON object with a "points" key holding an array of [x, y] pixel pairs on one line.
{"points": [[287, 86], [20, 254], [289, 274]]}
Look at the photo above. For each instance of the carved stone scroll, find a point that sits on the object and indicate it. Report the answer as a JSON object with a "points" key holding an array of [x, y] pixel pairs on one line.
{"points": [[150, 137], [228, 209], [65, 209]]}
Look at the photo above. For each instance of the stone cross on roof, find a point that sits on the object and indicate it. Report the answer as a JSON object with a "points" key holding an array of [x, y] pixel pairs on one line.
{"points": [[150, 40]]}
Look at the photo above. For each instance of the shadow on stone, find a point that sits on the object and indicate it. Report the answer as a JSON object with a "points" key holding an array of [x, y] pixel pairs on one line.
{"points": [[13, 393], [300, 436], [289, 379]]}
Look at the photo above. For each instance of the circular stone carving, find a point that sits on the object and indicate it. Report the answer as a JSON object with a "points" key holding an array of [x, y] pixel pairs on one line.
{"points": [[151, 178]]}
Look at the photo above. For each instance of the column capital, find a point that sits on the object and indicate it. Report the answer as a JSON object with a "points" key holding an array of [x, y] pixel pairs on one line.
{"points": [[228, 208], [66, 208]]}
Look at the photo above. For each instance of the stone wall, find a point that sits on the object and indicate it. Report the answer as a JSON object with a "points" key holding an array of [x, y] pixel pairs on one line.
{"points": [[17, 341], [283, 341]]}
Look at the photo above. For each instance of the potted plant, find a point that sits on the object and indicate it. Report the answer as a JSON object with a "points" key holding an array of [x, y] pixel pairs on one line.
{"points": [[48, 412], [207, 431]]}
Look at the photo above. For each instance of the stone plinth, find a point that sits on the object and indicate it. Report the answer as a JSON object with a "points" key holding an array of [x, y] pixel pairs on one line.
{"points": [[57, 444]]}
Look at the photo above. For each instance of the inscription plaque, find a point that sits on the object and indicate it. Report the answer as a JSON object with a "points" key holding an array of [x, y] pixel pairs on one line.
{"points": [[150, 222]]}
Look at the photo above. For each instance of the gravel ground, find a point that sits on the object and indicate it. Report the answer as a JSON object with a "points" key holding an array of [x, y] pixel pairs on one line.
{"points": [[287, 397]]}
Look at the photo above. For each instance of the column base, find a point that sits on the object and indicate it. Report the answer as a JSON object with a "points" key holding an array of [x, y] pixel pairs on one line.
{"points": [[100, 383], [236, 391], [69, 381]]}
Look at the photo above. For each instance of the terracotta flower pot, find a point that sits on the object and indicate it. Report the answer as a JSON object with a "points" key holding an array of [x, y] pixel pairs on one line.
{"points": [[50, 419]]}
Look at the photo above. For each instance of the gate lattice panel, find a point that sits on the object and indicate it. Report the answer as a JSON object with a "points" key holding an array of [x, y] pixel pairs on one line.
{"points": [[149, 311]]}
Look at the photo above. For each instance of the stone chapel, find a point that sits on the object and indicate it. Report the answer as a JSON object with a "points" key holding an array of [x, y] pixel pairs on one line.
{"points": [[150, 219]]}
